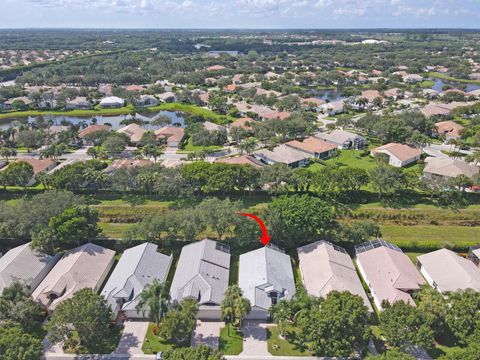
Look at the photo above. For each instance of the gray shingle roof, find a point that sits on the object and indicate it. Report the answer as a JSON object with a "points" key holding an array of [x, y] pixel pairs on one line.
{"points": [[137, 268], [202, 273], [25, 265], [264, 271]]}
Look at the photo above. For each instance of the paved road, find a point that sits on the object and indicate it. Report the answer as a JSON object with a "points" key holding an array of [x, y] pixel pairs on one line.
{"points": [[436, 150]]}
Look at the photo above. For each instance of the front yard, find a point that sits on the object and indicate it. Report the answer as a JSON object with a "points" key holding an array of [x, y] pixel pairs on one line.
{"points": [[230, 344], [278, 346], [154, 344]]}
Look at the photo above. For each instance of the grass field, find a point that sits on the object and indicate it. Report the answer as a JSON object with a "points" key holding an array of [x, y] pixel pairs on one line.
{"points": [[230, 344], [460, 236], [278, 346]]}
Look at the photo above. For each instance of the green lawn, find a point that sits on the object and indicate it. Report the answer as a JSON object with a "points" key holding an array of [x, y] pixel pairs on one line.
{"points": [[230, 344], [434, 235], [189, 147], [115, 230], [284, 347], [352, 158], [154, 344]]}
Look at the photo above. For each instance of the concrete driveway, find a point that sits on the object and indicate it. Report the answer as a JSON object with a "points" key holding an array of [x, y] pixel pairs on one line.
{"points": [[132, 338], [207, 333], [254, 339]]}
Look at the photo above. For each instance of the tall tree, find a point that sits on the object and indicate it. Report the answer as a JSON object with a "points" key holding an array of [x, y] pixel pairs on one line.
{"points": [[155, 300], [87, 313]]}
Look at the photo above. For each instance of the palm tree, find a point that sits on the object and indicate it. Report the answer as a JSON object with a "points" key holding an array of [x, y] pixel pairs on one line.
{"points": [[248, 146], [156, 300], [281, 313], [152, 151], [7, 152], [234, 306]]}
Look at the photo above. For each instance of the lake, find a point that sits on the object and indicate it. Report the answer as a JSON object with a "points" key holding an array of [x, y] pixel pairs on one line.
{"points": [[330, 95], [114, 120], [439, 83]]}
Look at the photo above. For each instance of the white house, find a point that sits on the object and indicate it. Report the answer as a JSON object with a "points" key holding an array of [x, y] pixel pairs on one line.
{"points": [[399, 155]]}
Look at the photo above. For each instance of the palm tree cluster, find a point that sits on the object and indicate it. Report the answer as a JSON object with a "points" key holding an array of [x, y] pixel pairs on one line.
{"points": [[234, 306]]}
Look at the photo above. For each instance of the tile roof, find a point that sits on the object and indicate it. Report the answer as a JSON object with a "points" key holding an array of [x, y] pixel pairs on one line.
{"points": [[390, 273], [202, 273], [82, 267], [311, 145], [450, 271], [449, 167], [283, 154], [263, 271], [91, 129], [138, 267], [25, 265], [326, 267], [400, 151], [38, 165], [133, 131]]}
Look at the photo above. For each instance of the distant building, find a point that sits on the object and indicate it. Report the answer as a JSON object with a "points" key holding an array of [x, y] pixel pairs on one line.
{"points": [[112, 102], [343, 139], [146, 101], [449, 129], [241, 160], [314, 147], [79, 103], [133, 131], [283, 154], [92, 129], [399, 155], [173, 134], [448, 168]]}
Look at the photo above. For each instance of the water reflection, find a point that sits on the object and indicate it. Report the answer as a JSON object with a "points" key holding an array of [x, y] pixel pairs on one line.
{"points": [[115, 121]]}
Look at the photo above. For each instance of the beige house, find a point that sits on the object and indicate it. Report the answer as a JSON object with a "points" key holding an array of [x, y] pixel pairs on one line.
{"points": [[86, 266], [448, 168], [449, 129], [446, 271], [314, 147], [133, 131], [326, 267], [399, 155], [388, 272]]}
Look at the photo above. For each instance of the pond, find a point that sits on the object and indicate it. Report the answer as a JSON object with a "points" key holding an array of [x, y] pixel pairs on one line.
{"points": [[439, 83], [115, 120], [328, 95]]}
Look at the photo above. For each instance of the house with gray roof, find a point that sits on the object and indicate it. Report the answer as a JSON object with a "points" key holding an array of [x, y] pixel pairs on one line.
{"points": [[265, 277], [283, 154], [25, 265], [202, 274], [136, 270], [343, 139]]}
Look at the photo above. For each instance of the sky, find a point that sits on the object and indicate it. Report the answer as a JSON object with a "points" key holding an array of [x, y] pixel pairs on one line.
{"points": [[319, 14]]}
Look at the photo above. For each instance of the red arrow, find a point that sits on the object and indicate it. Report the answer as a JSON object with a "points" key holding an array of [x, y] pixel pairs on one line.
{"points": [[265, 239]]}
